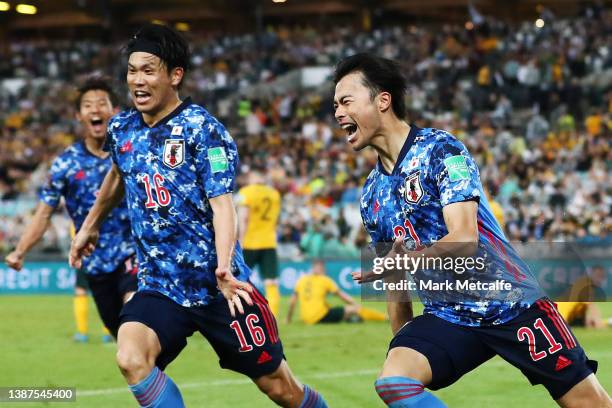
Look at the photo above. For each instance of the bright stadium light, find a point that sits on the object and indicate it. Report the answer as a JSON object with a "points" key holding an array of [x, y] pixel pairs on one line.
{"points": [[278, 1], [26, 9], [539, 23], [4, 6]]}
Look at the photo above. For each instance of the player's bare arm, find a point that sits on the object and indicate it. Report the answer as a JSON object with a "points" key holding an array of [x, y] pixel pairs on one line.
{"points": [[346, 298], [224, 222], [292, 304], [243, 221], [32, 234], [110, 195]]}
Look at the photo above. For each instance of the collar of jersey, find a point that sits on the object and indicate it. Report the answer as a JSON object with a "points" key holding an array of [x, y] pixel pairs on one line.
{"points": [[87, 152], [414, 131], [169, 116]]}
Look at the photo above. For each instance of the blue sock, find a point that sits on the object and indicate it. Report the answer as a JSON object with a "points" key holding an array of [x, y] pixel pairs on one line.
{"points": [[312, 399], [404, 392], [157, 390]]}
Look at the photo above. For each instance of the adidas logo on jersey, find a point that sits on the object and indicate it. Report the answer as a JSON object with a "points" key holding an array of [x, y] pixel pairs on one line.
{"points": [[264, 357], [562, 362]]}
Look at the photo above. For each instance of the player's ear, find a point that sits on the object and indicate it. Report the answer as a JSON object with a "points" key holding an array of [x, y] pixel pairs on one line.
{"points": [[384, 101], [77, 115], [176, 76]]}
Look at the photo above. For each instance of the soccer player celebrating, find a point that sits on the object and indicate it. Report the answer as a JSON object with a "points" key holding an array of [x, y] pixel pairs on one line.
{"points": [[312, 289], [258, 211], [425, 194], [76, 175], [176, 165]]}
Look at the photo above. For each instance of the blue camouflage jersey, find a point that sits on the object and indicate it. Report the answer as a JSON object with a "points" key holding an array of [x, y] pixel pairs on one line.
{"points": [[170, 172], [77, 175], [433, 170]]}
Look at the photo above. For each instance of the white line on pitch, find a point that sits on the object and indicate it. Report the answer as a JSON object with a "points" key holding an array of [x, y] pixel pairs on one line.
{"points": [[242, 381]]}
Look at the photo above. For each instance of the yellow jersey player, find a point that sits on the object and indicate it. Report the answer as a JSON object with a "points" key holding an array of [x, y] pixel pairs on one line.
{"points": [[312, 290], [258, 211], [580, 310]]}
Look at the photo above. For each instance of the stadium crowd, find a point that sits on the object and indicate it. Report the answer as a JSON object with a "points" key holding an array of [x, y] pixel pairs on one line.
{"points": [[532, 104]]}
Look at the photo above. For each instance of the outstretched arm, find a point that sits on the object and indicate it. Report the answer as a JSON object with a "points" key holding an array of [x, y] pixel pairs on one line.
{"points": [[32, 234], [110, 195]]}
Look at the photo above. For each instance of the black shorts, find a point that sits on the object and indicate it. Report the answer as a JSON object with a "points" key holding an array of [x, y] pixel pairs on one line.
{"points": [[81, 279], [537, 342], [266, 259], [109, 289], [248, 343], [334, 315]]}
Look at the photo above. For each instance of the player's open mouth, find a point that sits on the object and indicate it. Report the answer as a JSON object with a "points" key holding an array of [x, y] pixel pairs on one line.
{"points": [[141, 97], [97, 124], [351, 131]]}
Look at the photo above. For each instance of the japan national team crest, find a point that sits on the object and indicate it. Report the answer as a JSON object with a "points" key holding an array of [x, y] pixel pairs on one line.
{"points": [[413, 192], [174, 152]]}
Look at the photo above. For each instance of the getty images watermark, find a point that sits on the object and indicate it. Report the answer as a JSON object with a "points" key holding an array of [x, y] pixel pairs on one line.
{"points": [[383, 266], [488, 272]]}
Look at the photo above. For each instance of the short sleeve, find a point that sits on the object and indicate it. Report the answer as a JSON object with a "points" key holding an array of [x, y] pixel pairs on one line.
{"points": [[55, 186], [331, 286], [217, 159], [242, 198], [109, 143], [454, 172]]}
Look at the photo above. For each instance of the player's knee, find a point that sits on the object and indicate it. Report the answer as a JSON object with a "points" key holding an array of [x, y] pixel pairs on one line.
{"points": [[282, 390], [406, 362], [351, 310], [278, 391], [588, 393], [133, 366]]}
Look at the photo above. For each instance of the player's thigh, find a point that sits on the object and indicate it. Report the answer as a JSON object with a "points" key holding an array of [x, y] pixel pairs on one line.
{"points": [[251, 257], [108, 300], [587, 393], [434, 351], [80, 285], [247, 343], [170, 322], [269, 263], [280, 382], [333, 315], [542, 346]]}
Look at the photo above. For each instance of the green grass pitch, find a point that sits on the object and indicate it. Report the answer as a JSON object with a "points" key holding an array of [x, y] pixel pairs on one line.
{"points": [[341, 361]]}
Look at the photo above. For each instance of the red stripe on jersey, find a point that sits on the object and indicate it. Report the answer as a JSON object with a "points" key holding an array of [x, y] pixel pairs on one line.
{"points": [[543, 306], [267, 316], [562, 322]]}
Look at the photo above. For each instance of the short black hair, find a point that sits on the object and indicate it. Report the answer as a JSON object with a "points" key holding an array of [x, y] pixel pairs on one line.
{"points": [[379, 75], [172, 46], [95, 83]]}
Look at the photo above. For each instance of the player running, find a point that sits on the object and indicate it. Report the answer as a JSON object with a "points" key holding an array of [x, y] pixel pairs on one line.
{"points": [[176, 165], [312, 290], [258, 211], [426, 190], [76, 175]]}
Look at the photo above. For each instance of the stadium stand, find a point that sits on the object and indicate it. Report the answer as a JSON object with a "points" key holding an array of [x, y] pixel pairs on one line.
{"points": [[533, 105]]}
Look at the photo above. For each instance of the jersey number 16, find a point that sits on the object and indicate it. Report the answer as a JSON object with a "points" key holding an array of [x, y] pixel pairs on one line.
{"points": [[161, 192]]}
